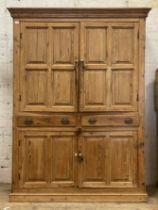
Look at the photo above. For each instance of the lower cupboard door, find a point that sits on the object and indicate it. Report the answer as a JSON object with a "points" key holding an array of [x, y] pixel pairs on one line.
{"points": [[108, 159], [46, 159]]}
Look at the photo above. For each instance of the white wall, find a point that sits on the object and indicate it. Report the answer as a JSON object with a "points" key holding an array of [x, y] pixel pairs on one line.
{"points": [[151, 147]]}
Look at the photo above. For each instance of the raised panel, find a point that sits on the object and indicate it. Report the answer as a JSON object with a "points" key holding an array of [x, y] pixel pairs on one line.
{"points": [[33, 159], [93, 168], [95, 44], [36, 44], [93, 85], [63, 45], [94, 90], [36, 87], [123, 43], [48, 72], [64, 55], [63, 161], [123, 159], [35, 154], [63, 89], [123, 89]]}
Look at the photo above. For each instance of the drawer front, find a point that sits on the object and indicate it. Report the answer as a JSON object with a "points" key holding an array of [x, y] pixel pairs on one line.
{"points": [[109, 120], [46, 121]]}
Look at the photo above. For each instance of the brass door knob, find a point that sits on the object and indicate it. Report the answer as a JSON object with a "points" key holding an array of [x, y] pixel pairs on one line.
{"points": [[80, 157]]}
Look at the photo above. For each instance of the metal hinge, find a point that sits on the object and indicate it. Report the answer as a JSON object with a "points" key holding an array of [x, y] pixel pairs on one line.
{"points": [[138, 35], [137, 97], [20, 35], [19, 97]]}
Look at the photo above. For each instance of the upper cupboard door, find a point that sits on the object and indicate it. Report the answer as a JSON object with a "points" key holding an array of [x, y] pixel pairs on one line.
{"points": [[109, 72], [48, 70]]}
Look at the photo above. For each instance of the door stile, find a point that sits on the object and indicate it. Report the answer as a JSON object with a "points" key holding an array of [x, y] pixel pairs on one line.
{"points": [[109, 55], [50, 44]]}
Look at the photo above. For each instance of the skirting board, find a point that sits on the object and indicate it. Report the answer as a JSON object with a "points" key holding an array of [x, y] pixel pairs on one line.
{"points": [[68, 197]]}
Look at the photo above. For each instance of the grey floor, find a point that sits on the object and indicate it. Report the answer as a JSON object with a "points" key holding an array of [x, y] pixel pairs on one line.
{"points": [[152, 204]]}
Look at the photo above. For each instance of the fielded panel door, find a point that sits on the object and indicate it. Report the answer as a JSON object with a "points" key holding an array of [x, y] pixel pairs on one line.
{"points": [[33, 159], [48, 69], [46, 159], [108, 159], [109, 67], [63, 161], [93, 162], [122, 159]]}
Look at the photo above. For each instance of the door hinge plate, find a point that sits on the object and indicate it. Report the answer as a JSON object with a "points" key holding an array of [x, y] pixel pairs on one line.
{"points": [[137, 97], [19, 97]]}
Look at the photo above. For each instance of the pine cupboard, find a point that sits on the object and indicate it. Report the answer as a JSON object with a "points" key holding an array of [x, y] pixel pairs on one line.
{"points": [[78, 116]]}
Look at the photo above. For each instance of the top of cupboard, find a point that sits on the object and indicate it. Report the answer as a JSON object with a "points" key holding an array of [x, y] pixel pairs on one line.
{"points": [[79, 12]]}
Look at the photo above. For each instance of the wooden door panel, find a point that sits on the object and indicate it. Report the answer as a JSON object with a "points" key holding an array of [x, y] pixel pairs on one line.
{"points": [[123, 38], [62, 89], [63, 160], [47, 159], [95, 90], [64, 69], [36, 41], [63, 45], [123, 159], [92, 170], [34, 72], [36, 87], [123, 90], [33, 159], [110, 48], [49, 67], [124, 67], [94, 46]]}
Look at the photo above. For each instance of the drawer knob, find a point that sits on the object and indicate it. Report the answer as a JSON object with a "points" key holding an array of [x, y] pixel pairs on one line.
{"points": [[92, 120], [28, 121], [128, 120], [65, 121]]}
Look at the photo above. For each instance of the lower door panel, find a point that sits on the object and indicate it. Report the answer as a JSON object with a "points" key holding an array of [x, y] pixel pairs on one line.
{"points": [[109, 159], [46, 159]]}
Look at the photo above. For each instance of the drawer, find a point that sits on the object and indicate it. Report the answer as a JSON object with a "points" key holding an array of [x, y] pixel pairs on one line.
{"points": [[46, 121], [109, 120]]}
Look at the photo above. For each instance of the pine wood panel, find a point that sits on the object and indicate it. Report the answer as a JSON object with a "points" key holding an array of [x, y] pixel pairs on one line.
{"points": [[33, 159], [124, 66], [42, 155], [109, 159], [108, 60], [64, 70], [92, 170], [93, 70], [48, 67], [123, 158]]}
